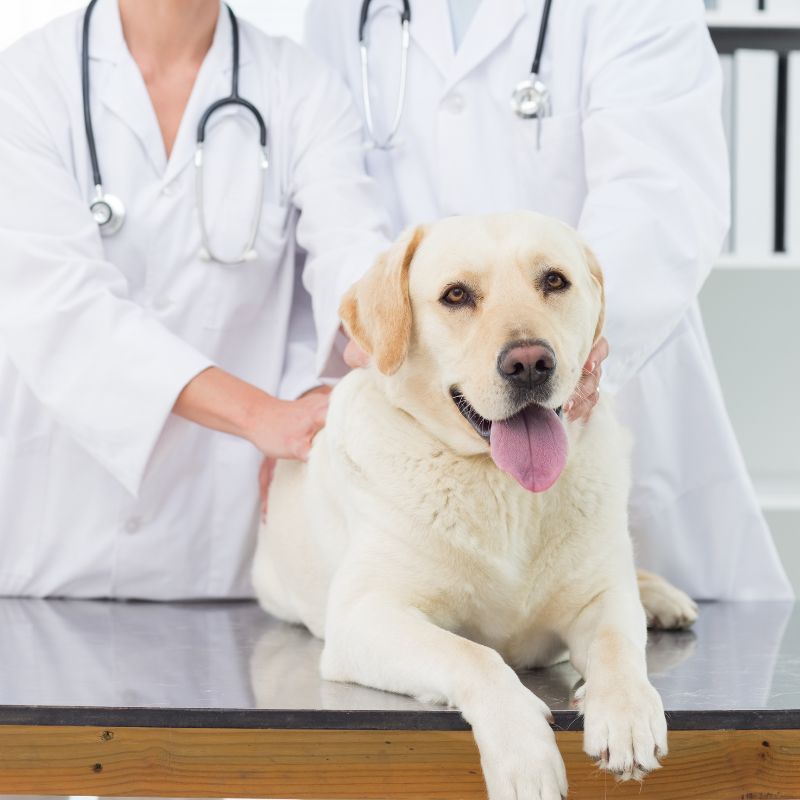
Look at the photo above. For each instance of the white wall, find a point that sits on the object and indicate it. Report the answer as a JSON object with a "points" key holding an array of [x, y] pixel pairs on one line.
{"points": [[18, 17], [277, 17], [754, 331]]}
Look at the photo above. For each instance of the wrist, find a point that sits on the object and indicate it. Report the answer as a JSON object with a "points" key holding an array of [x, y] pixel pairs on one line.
{"points": [[257, 413]]}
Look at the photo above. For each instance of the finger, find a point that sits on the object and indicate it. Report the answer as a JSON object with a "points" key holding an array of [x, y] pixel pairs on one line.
{"points": [[319, 417], [576, 410], [354, 356], [587, 406], [577, 405], [600, 350], [589, 384], [304, 449], [580, 405], [597, 355], [264, 480], [321, 390]]}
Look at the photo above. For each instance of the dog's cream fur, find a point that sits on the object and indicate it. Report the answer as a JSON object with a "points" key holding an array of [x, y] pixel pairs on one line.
{"points": [[426, 569]]}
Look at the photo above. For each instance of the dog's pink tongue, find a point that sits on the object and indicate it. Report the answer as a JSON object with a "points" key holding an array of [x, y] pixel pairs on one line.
{"points": [[531, 446]]}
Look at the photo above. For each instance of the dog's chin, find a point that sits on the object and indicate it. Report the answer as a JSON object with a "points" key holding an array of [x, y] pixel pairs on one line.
{"points": [[480, 424]]}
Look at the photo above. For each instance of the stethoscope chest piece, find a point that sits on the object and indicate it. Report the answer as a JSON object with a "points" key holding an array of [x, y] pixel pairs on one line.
{"points": [[108, 212], [531, 98]]}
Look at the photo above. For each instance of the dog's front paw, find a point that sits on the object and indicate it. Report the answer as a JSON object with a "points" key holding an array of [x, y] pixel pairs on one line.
{"points": [[624, 728], [667, 608], [519, 755]]}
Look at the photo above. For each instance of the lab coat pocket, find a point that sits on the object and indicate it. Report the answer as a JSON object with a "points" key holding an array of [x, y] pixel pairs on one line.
{"points": [[237, 294], [23, 499], [552, 167]]}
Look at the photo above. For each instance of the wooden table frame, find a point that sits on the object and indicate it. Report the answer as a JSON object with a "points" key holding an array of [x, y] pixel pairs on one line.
{"points": [[364, 764]]}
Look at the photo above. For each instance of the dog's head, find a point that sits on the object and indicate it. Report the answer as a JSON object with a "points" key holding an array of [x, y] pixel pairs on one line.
{"points": [[480, 327]]}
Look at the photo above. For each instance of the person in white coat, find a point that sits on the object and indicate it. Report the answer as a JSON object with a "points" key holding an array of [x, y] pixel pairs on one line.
{"points": [[113, 348], [632, 154]]}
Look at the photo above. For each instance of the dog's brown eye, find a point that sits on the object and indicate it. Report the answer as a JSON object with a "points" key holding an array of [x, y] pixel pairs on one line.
{"points": [[457, 296], [555, 282]]}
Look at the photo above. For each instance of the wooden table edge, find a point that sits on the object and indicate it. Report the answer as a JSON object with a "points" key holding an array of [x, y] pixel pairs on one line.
{"points": [[316, 764]]}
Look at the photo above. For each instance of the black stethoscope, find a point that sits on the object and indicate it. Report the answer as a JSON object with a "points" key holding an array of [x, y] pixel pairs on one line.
{"points": [[530, 98], [108, 210]]}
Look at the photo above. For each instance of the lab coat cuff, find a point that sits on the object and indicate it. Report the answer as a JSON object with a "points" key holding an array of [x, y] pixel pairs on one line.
{"points": [[300, 373]]}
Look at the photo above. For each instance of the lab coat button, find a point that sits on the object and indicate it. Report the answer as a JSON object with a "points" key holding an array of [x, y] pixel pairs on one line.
{"points": [[132, 524], [167, 190], [161, 303], [455, 103]]}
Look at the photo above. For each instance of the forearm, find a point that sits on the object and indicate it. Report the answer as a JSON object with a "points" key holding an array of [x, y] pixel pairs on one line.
{"points": [[220, 401], [278, 428]]}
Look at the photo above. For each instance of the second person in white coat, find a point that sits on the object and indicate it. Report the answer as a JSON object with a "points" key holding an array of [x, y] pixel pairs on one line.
{"points": [[633, 155], [113, 348]]}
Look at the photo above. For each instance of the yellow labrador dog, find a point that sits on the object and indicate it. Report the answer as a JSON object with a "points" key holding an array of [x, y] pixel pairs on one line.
{"points": [[450, 525]]}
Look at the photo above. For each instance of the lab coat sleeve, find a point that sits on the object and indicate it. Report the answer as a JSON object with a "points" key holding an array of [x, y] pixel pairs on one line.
{"points": [[342, 224], [300, 363], [106, 370], [656, 167]]}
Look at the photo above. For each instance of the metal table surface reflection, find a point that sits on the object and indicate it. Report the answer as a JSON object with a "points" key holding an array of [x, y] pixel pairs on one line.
{"points": [[227, 664]]}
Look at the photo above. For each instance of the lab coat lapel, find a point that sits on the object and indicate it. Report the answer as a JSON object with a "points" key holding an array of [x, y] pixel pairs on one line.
{"points": [[118, 84], [493, 23], [431, 32]]}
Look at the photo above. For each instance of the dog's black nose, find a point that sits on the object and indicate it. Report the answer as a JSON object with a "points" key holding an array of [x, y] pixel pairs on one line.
{"points": [[527, 364]]}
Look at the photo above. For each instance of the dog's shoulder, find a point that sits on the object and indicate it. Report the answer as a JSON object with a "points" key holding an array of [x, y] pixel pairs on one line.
{"points": [[365, 428]]}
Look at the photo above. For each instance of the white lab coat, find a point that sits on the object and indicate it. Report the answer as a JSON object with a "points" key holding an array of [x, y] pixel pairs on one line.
{"points": [[102, 491], [634, 157]]}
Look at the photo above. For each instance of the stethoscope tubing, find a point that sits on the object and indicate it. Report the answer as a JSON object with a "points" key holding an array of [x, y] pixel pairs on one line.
{"points": [[87, 114], [537, 56], [530, 84]]}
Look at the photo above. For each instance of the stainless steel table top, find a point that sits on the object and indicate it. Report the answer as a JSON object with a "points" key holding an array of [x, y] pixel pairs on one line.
{"points": [[226, 664]]}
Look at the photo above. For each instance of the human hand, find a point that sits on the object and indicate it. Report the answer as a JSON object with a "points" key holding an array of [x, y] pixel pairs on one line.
{"points": [[587, 393], [286, 428], [354, 356], [268, 464], [264, 480]]}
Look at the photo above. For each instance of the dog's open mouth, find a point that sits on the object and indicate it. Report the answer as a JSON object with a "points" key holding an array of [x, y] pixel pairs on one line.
{"points": [[482, 426], [530, 445]]}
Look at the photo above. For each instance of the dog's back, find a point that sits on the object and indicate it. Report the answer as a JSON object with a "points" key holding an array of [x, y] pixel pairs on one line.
{"points": [[305, 534]]}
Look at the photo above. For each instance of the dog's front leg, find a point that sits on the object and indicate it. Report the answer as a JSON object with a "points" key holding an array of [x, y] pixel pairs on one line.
{"points": [[379, 641], [624, 724]]}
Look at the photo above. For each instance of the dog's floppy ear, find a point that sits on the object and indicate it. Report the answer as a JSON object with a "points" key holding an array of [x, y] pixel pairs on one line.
{"points": [[376, 310], [597, 277]]}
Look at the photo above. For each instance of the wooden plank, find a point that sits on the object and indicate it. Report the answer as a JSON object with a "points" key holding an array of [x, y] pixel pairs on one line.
{"points": [[365, 765]]}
